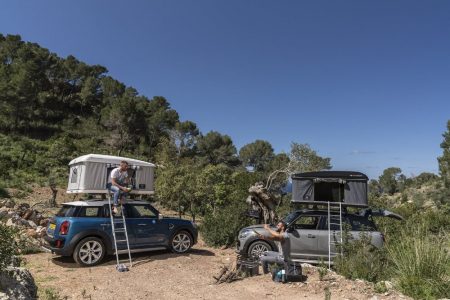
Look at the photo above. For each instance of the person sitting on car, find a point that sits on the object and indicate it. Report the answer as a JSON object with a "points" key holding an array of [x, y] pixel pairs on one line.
{"points": [[281, 238], [119, 180]]}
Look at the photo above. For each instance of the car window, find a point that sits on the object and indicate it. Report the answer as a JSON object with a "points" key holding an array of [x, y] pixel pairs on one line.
{"points": [[362, 224], [334, 223], [66, 211], [306, 222], [141, 211], [90, 212]]}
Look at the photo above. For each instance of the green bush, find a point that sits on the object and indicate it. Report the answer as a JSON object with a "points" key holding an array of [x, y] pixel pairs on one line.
{"points": [[420, 263], [7, 245], [222, 227], [360, 259]]}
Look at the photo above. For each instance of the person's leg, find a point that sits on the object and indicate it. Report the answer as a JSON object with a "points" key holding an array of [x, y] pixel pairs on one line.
{"points": [[116, 193], [267, 258]]}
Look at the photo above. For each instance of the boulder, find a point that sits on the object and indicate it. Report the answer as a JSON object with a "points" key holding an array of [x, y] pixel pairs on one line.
{"points": [[17, 283]]}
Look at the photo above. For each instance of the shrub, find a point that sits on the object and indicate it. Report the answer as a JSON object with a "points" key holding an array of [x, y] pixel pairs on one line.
{"points": [[222, 227], [7, 245], [421, 263], [360, 259]]}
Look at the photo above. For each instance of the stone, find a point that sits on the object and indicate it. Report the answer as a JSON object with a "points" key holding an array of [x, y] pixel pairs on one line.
{"points": [[9, 203], [32, 233], [18, 283], [10, 222], [3, 212], [44, 222], [32, 224], [27, 215]]}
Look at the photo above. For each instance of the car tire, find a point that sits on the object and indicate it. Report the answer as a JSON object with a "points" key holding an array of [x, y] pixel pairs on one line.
{"points": [[89, 252], [257, 248], [181, 242]]}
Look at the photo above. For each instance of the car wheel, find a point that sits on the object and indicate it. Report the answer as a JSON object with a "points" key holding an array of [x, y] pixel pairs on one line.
{"points": [[181, 242], [89, 252], [257, 248]]}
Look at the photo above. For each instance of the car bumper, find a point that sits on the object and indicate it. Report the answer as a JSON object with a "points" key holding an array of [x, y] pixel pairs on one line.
{"points": [[51, 244]]}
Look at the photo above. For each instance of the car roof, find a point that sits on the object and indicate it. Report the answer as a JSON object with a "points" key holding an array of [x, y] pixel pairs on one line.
{"points": [[101, 202], [323, 212]]}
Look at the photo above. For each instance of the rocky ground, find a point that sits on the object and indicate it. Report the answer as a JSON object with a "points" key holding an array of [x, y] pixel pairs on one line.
{"points": [[163, 275]]}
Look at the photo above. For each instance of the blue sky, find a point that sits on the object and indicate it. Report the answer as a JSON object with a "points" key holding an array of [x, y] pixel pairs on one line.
{"points": [[366, 83]]}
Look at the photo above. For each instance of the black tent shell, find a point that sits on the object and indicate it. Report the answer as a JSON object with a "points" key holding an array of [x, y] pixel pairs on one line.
{"points": [[330, 187]]}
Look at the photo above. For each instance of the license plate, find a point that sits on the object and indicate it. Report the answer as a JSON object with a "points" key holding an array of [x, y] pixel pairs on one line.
{"points": [[52, 226]]}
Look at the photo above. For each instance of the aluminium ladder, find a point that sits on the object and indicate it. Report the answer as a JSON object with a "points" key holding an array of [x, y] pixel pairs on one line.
{"points": [[120, 231], [334, 235]]}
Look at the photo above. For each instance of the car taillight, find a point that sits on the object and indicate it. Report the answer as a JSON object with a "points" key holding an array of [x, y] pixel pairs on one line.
{"points": [[64, 228]]}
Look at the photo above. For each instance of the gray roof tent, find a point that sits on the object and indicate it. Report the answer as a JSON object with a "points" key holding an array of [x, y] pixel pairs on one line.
{"points": [[90, 174], [347, 187]]}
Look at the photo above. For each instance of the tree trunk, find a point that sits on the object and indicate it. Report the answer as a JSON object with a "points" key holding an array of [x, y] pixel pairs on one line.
{"points": [[52, 201], [265, 202]]}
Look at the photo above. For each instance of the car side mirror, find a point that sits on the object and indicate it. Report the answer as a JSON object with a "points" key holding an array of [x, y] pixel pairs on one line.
{"points": [[290, 229]]}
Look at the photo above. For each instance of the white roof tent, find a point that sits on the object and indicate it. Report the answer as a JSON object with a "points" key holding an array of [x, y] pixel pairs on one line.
{"points": [[330, 187], [90, 174]]}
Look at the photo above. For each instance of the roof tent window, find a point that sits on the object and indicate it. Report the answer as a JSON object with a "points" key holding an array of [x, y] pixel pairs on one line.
{"points": [[328, 191], [73, 178]]}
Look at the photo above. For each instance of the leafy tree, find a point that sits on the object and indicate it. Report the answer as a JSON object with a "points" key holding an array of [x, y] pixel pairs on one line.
{"points": [[301, 159], [374, 188], [444, 160], [215, 148], [176, 185], [214, 186], [389, 180], [184, 136], [257, 155]]}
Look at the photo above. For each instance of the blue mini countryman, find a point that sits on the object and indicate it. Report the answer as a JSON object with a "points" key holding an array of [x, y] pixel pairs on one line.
{"points": [[82, 229]]}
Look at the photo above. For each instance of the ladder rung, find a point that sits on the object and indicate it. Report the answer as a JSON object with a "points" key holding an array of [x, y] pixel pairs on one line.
{"points": [[120, 230], [119, 241]]}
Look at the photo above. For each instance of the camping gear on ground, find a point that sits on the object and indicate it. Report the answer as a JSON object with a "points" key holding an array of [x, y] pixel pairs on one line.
{"points": [[249, 266], [287, 272], [90, 174], [346, 187]]}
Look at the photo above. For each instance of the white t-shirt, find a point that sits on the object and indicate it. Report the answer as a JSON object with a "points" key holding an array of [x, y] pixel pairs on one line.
{"points": [[119, 176]]}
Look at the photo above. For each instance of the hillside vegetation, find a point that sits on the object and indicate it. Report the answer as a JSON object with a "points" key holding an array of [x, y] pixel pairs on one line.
{"points": [[53, 109]]}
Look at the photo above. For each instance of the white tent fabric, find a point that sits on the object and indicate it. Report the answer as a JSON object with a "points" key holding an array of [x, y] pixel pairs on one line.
{"points": [[90, 174]]}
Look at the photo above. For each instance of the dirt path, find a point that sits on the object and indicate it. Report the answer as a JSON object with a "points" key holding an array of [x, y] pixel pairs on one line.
{"points": [[163, 275]]}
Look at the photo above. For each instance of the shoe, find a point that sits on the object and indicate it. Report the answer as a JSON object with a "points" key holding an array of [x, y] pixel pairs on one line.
{"points": [[115, 211]]}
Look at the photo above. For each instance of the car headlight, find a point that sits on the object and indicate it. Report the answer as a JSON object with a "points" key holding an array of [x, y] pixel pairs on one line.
{"points": [[245, 233]]}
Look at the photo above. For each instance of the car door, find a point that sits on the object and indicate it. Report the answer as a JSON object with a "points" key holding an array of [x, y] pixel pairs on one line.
{"points": [[146, 225], [330, 238], [106, 225], [303, 234]]}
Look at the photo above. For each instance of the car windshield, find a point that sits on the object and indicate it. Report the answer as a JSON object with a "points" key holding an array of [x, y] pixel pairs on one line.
{"points": [[291, 217]]}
